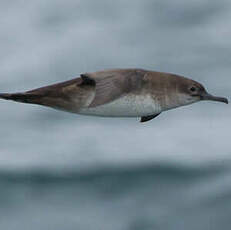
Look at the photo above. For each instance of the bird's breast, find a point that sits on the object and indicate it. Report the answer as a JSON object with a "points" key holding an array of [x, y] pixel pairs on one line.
{"points": [[126, 106]]}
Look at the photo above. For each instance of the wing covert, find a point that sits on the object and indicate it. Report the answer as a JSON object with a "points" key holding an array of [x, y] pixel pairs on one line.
{"points": [[112, 84]]}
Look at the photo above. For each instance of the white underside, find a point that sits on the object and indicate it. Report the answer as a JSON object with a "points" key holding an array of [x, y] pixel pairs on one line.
{"points": [[127, 106]]}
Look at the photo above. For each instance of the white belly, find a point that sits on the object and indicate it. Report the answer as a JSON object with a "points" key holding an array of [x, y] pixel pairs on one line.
{"points": [[127, 106]]}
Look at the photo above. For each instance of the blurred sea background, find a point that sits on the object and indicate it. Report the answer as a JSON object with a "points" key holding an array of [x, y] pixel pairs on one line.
{"points": [[66, 171]]}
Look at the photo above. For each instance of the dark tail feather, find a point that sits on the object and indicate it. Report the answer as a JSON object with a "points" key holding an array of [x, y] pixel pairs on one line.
{"points": [[21, 97]]}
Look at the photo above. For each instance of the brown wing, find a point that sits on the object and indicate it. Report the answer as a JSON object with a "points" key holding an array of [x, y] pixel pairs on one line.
{"points": [[105, 85], [112, 84], [61, 95]]}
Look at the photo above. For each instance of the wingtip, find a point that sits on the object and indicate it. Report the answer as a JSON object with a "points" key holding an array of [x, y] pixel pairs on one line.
{"points": [[5, 96], [19, 97]]}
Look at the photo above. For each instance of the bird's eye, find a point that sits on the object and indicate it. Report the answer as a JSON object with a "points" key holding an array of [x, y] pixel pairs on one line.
{"points": [[193, 89]]}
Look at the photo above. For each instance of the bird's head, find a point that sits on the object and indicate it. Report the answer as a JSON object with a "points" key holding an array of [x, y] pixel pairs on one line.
{"points": [[190, 91], [180, 91]]}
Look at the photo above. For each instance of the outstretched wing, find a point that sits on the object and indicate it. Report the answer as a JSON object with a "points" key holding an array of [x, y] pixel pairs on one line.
{"points": [[112, 84]]}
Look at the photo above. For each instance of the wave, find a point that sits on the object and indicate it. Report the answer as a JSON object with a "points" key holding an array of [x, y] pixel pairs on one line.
{"points": [[161, 171]]}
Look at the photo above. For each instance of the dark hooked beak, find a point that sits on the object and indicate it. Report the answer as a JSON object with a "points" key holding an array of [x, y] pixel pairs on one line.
{"points": [[209, 97]]}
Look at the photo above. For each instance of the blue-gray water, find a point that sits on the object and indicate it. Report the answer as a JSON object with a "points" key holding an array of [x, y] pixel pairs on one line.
{"points": [[150, 197], [64, 171]]}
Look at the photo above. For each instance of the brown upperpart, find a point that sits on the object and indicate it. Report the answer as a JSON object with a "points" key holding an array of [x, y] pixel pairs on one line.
{"points": [[94, 89]]}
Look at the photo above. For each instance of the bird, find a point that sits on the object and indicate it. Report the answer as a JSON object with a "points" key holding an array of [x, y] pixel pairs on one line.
{"points": [[118, 93]]}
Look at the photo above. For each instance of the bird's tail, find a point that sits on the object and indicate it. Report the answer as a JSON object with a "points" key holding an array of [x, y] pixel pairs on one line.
{"points": [[20, 97]]}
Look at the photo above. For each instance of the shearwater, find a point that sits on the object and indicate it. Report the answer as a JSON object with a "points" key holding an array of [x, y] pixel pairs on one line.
{"points": [[118, 93]]}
